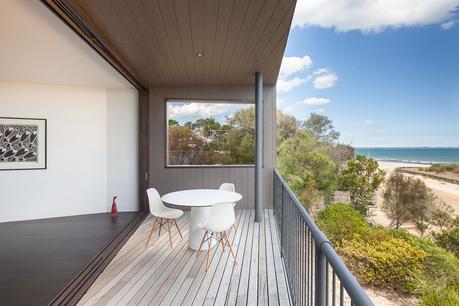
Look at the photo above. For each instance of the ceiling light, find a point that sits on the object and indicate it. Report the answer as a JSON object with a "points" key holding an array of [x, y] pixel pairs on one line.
{"points": [[199, 54]]}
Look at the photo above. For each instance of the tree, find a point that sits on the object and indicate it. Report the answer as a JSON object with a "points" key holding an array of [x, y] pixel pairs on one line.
{"points": [[173, 122], [243, 119], [442, 216], [361, 177], [342, 153], [186, 147], [239, 139], [287, 126], [321, 128], [208, 127], [408, 199], [307, 168]]}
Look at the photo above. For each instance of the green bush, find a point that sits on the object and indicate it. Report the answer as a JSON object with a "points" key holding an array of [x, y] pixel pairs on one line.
{"points": [[444, 297], [449, 240], [442, 168], [391, 258], [380, 259], [341, 222]]}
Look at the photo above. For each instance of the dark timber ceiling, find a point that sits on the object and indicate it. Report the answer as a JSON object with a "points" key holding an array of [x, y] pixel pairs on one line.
{"points": [[159, 39]]}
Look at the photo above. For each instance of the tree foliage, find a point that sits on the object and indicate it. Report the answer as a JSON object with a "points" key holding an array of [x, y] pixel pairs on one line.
{"points": [[361, 177], [207, 141], [342, 153], [310, 171], [321, 128], [287, 126], [408, 199]]}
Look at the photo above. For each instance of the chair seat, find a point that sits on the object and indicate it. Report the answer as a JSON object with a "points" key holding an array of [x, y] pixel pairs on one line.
{"points": [[169, 213], [215, 227]]}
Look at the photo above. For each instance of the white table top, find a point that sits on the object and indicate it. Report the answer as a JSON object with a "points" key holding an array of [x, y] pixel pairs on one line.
{"points": [[200, 197]]}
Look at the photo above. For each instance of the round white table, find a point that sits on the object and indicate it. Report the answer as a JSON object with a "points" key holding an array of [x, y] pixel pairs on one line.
{"points": [[200, 201]]}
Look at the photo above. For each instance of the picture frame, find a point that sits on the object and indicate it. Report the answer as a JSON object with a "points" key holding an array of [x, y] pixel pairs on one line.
{"points": [[23, 143]]}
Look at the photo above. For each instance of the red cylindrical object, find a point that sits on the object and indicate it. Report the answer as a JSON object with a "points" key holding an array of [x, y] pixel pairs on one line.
{"points": [[114, 208]]}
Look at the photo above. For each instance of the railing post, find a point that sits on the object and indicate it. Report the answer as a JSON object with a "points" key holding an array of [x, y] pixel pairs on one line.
{"points": [[282, 221], [320, 278]]}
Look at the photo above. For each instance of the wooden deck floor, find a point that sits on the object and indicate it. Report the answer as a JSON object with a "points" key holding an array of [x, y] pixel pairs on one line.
{"points": [[159, 275]]}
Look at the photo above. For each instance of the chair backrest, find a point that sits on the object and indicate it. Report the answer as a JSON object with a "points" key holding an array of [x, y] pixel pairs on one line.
{"points": [[154, 201], [221, 216], [227, 187]]}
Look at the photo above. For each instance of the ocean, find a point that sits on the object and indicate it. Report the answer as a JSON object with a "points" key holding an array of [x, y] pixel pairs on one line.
{"points": [[412, 155]]}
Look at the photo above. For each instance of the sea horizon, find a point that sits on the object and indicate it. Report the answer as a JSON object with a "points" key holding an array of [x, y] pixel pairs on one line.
{"points": [[414, 155]]}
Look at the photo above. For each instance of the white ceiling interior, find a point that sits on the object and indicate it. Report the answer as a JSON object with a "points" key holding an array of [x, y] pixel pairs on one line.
{"points": [[37, 47]]}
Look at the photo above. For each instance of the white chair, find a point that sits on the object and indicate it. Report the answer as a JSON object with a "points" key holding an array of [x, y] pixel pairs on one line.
{"points": [[221, 219], [164, 215], [228, 187]]}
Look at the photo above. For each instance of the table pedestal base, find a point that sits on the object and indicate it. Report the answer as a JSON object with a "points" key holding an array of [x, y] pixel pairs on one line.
{"points": [[199, 216]]}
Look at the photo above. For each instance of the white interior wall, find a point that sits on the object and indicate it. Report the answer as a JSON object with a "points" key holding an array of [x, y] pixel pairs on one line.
{"points": [[91, 151], [122, 148], [47, 71]]}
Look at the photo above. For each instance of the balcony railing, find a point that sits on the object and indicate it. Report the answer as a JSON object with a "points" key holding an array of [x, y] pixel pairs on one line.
{"points": [[316, 274]]}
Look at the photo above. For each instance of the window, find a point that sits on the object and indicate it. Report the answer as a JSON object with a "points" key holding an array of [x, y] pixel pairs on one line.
{"points": [[210, 133]]}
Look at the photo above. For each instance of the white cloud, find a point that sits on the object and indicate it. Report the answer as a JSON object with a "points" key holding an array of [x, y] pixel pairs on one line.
{"points": [[287, 85], [320, 110], [371, 15], [197, 109], [369, 122], [324, 79], [320, 71], [287, 109], [294, 64], [447, 25], [316, 101]]}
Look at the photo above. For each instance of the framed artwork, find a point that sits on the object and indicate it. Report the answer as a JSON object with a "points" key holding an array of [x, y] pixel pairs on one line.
{"points": [[22, 143]]}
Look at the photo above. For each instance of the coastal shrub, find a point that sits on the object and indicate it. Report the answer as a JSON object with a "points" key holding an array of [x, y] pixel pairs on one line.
{"points": [[449, 240], [444, 297], [361, 177], [380, 259], [438, 282], [341, 222], [392, 258], [437, 168]]}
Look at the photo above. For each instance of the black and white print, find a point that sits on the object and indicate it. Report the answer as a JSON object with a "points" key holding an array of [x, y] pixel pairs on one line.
{"points": [[22, 143], [18, 143]]}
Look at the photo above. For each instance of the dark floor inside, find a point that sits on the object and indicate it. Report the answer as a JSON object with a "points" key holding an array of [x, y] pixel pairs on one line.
{"points": [[39, 258]]}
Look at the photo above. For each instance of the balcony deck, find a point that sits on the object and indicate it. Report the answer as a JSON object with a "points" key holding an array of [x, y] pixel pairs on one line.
{"points": [[161, 275]]}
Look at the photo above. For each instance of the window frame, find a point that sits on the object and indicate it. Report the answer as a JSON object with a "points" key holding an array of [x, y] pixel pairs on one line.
{"points": [[209, 101]]}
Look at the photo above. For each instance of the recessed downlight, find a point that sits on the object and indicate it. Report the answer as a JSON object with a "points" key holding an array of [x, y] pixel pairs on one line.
{"points": [[199, 54]]}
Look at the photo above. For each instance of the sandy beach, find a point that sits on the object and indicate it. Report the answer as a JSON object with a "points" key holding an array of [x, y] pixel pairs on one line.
{"points": [[447, 192]]}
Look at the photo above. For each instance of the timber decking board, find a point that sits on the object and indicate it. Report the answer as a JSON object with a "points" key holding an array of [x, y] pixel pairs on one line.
{"points": [[159, 275], [39, 258]]}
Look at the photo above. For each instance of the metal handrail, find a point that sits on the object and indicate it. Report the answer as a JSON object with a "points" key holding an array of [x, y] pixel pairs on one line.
{"points": [[308, 256]]}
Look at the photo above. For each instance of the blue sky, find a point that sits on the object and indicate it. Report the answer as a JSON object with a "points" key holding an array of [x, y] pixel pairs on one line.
{"points": [[386, 74], [183, 111]]}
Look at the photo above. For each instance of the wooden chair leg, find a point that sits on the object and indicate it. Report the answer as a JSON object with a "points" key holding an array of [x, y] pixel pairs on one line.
{"points": [[160, 226], [178, 228], [151, 232], [222, 242], [230, 247], [202, 242], [208, 253], [169, 231]]}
